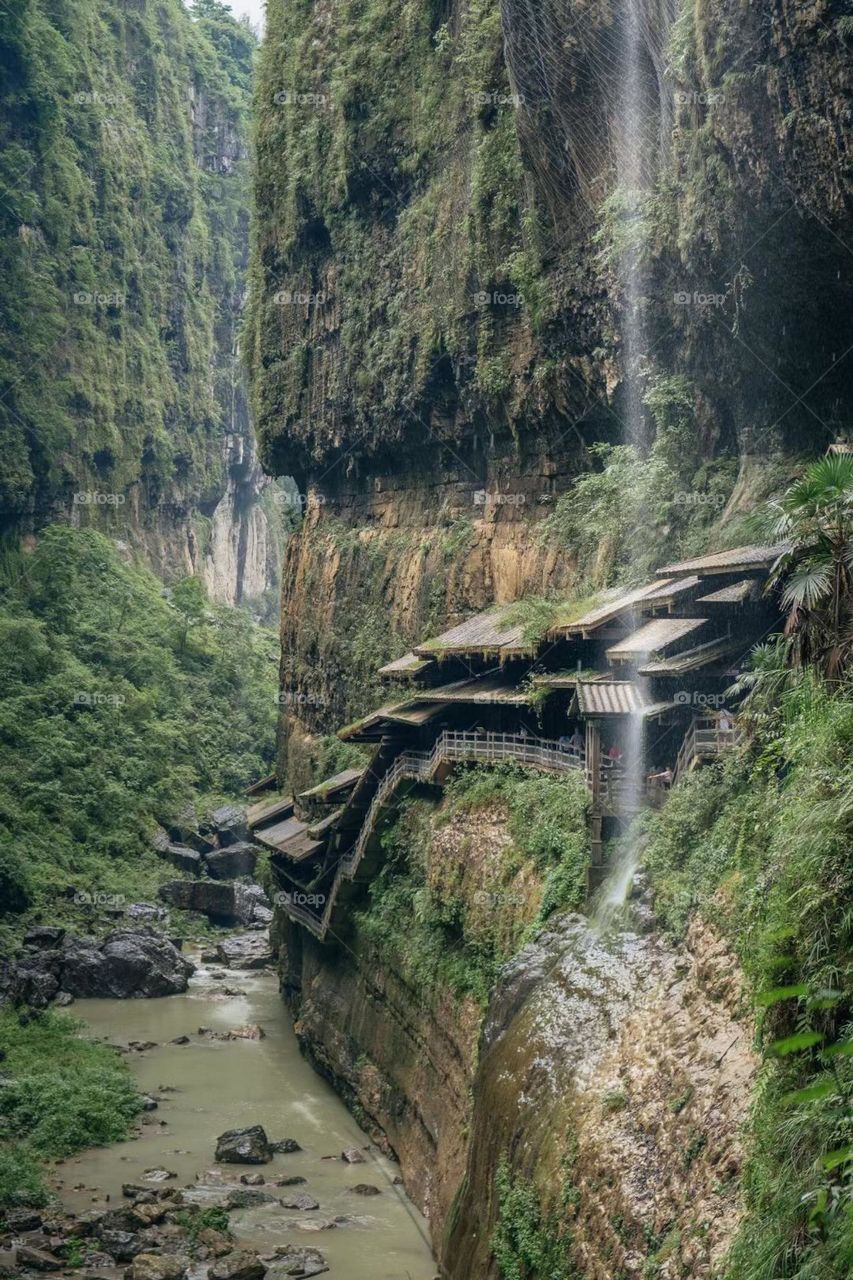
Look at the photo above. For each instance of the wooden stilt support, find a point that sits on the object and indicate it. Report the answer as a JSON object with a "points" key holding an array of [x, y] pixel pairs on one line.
{"points": [[593, 767]]}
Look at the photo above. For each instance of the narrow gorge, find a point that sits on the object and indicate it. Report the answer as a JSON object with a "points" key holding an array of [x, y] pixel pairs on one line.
{"points": [[426, 621]]}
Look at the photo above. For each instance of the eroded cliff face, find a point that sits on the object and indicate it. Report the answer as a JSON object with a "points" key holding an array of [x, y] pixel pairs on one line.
{"points": [[609, 1078], [439, 279], [124, 247]]}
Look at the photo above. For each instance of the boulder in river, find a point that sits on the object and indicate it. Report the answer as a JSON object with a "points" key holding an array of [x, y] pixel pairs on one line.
{"points": [[241, 1264], [224, 902], [126, 963], [247, 1198], [301, 1201], [235, 860], [365, 1189], [285, 1146], [245, 951], [290, 1260], [352, 1156], [158, 1266], [243, 1146], [253, 1179], [37, 1259]]}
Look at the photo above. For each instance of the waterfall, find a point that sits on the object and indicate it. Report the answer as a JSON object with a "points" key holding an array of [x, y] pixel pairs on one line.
{"points": [[631, 153], [611, 905]]}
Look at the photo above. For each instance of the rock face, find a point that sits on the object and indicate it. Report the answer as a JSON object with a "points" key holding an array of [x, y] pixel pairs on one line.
{"points": [[594, 1061], [247, 951], [243, 1146], [127, 963], [505, 387], [223, 902], [238, 859]]}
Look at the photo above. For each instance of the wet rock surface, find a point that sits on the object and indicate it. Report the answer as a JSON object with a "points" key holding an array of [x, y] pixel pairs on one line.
{"points": [[242, 1264], [126, 963], [244, 1146], [246, 951], [293, 1261]]}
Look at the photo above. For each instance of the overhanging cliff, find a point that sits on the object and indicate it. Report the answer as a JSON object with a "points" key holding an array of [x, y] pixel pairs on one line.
{"points": [[439, 282]]}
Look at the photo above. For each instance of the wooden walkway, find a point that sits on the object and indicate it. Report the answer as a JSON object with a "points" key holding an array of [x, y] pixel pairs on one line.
{"points": [[705, 740], [454, 748]]}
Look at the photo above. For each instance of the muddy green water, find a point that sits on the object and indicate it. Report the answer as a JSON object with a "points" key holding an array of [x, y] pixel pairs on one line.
{"points": [[225, 1085]]}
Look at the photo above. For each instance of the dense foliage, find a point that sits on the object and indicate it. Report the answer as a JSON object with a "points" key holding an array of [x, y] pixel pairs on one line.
{"points": [[61, 1093], [123, 704], [453, 916], [123, 229], [762, 846]]}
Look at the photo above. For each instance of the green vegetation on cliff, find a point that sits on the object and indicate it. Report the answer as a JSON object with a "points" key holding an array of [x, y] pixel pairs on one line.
{"points": [[123, 704], [462, 887], [123, 226], [762, 848], [391, 196]]}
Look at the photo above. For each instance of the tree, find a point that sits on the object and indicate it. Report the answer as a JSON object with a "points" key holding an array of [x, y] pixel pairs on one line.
{"points": [[815, 572]]}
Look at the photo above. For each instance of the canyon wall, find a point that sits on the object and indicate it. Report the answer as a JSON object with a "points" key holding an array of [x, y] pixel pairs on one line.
{"points": [[124, 245], [595, 1097], [436, 322]]}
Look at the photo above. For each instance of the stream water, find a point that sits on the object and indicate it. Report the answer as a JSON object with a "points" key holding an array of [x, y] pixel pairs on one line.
{"points": [[208, 1086]]}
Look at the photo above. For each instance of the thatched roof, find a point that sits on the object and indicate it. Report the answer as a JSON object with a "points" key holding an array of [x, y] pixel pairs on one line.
{"points": [[738, 560], [486, 633], [655, 637], [618, 604]]}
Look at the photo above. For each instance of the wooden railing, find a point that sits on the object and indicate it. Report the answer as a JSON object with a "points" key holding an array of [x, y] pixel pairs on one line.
{"points": [[455, 747], [705, 740]]}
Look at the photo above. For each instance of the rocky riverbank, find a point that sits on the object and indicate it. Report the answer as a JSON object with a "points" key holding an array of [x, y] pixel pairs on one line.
{"points": [[243, 1165]]}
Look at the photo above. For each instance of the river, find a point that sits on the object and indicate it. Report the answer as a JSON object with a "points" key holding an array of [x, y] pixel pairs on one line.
{"points": [[208, 1086]]}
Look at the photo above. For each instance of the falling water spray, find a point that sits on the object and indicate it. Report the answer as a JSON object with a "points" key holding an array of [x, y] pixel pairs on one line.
{"points": [[631, 154]]}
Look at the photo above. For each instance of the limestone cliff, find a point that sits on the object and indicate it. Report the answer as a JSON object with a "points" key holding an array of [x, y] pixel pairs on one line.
{"points": [[123, 243], [439, 282], [608, 1080]]}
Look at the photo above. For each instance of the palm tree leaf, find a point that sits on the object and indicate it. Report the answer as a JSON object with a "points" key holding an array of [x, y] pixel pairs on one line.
{"points": [[808, 586]]}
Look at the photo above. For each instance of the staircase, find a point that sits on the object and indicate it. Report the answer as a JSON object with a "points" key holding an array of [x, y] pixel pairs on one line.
{"points": [[705, 740], [388, 771]]}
